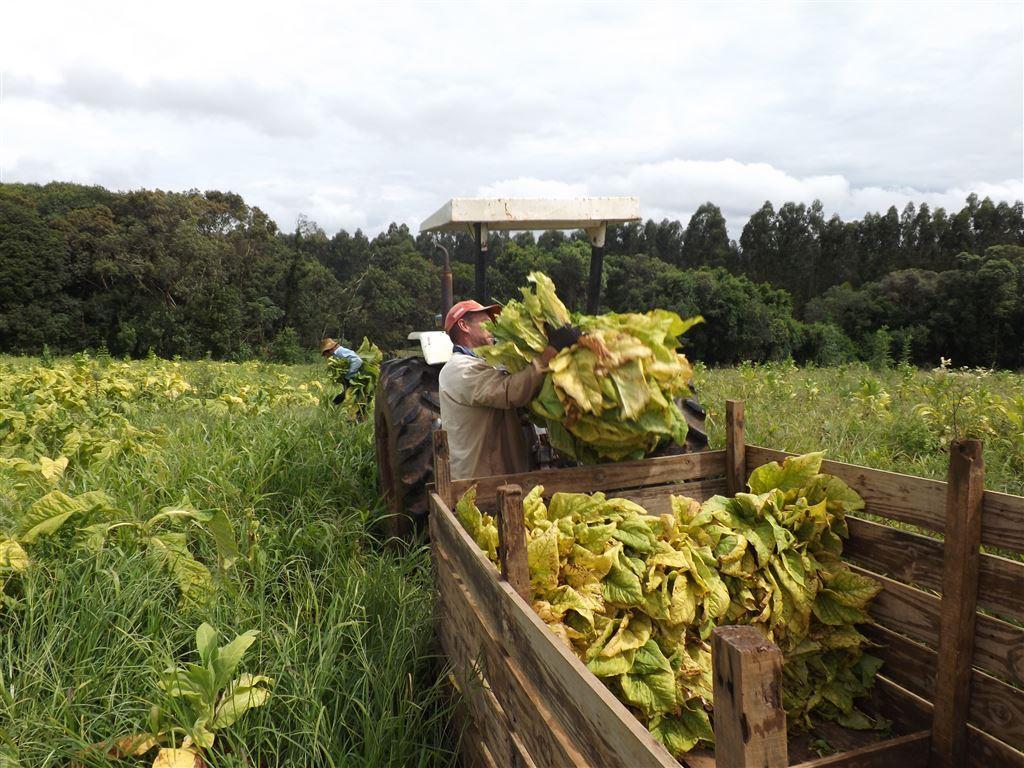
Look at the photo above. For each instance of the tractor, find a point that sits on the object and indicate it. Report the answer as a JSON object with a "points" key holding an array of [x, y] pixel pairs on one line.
{"points": [[407, 409]]}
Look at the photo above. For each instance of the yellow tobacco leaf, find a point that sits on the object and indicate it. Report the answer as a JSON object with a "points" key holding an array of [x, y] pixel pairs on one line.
{"points": [[178, 758]]}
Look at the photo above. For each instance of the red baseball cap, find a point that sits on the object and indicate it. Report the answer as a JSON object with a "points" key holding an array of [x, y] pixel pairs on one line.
{"points": [[463, 308]]}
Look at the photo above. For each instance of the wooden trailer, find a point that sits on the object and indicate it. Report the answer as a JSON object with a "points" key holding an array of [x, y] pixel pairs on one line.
{"points": [[948, 624]]}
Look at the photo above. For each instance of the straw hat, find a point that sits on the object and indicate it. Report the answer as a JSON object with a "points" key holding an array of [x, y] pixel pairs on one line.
{"points": [[327, 345]]}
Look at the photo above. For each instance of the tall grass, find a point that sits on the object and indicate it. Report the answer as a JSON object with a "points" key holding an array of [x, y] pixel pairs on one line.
{"points": [[345, 623], [900, 419]]}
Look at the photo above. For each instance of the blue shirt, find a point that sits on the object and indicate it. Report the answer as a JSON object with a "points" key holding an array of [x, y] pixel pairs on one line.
{"points": [[461, 350], [355, 362]]}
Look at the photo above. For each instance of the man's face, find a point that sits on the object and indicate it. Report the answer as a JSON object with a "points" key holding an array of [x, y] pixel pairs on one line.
{"points": [[473, 332]]}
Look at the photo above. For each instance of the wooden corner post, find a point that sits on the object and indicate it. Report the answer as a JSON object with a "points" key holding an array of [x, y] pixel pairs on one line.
{"points": [[735, 448], [960, 561], [750, 721], [442, 468], [512, 540]]}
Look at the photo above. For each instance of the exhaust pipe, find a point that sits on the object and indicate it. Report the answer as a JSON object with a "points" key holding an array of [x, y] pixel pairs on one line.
{"points": [[447, 297]]}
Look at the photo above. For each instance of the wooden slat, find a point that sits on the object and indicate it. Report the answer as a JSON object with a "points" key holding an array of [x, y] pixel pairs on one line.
{"points": [[735, 448], [512, 540], [916, 500], [983, 750], [656, 499], [1002, 522], [524, 713], [603, 477], [442, 466], [598, 724], [492, 724], [905, 708], [750, 721], [905, 751], [473, 751], [958, 612], [998, 645], [996, 707], [917, 560]]}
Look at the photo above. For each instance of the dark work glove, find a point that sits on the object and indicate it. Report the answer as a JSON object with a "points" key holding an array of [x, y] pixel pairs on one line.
{"points": [[563, 337]]}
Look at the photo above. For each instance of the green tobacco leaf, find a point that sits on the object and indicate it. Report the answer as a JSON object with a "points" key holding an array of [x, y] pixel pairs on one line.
{"points": [[170, 552], [622, 587], [218, 524], [635, 532], [633, 632], [837, 493], [650, 659], [651, 693], [852, 589], [48, 514], [12, 557], [831, 611], [681, 733], [228, 657], [794, 473], [534, 510], [243, 694], [542, 556], [206, 643], [610, 666]]}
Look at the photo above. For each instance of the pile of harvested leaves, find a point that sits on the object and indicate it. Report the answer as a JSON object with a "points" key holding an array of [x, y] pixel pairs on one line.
{"points": [[636, 596], [610, 396]]}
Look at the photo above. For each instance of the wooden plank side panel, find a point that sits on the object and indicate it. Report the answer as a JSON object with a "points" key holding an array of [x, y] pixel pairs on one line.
{"points": [[905, 751], [996, 708], [603, 477], [917, 560], [998, 645], [983, 750], [473, 751], [917, 500], [482, 707], [465, 652], [1002, 521], [527, 717], [597, 723], [656, 499]]}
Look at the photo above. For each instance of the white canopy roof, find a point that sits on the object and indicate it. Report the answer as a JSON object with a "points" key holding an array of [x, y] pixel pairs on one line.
{"points": [[521, 213]]}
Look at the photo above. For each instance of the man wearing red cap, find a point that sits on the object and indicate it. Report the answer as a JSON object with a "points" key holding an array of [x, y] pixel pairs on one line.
{"points": [[479, 401]]}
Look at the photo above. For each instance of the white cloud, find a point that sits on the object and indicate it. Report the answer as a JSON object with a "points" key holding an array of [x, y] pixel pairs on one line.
{"points": [[357, 115], [674, 189], [531, 187]]}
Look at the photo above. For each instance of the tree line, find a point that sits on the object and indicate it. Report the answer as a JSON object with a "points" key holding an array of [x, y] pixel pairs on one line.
{"points": [[195, 274]]}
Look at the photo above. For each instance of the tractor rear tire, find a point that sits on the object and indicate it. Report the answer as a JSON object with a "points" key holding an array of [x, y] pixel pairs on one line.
{"points": [[406, 409]]}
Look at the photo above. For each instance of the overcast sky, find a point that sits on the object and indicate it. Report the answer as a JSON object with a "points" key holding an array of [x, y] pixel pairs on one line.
{"points": [[358, 115]]}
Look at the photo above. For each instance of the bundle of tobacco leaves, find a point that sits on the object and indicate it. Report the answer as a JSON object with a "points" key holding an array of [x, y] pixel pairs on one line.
{"points": [[612, 395], [636, 596]]}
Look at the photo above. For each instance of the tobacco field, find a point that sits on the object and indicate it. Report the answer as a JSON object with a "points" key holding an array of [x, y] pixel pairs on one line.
{"points": [[153, 511]]}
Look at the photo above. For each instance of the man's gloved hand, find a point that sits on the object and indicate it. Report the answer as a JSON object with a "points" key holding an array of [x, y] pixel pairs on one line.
{"points": [[563, 337]]}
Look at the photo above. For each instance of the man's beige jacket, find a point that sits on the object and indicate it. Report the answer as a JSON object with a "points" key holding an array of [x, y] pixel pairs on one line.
{"points": [[478, 403]]}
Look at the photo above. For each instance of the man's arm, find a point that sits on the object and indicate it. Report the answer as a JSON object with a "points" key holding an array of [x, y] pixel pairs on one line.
{"points": [[485, 385], [355, 362]]}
